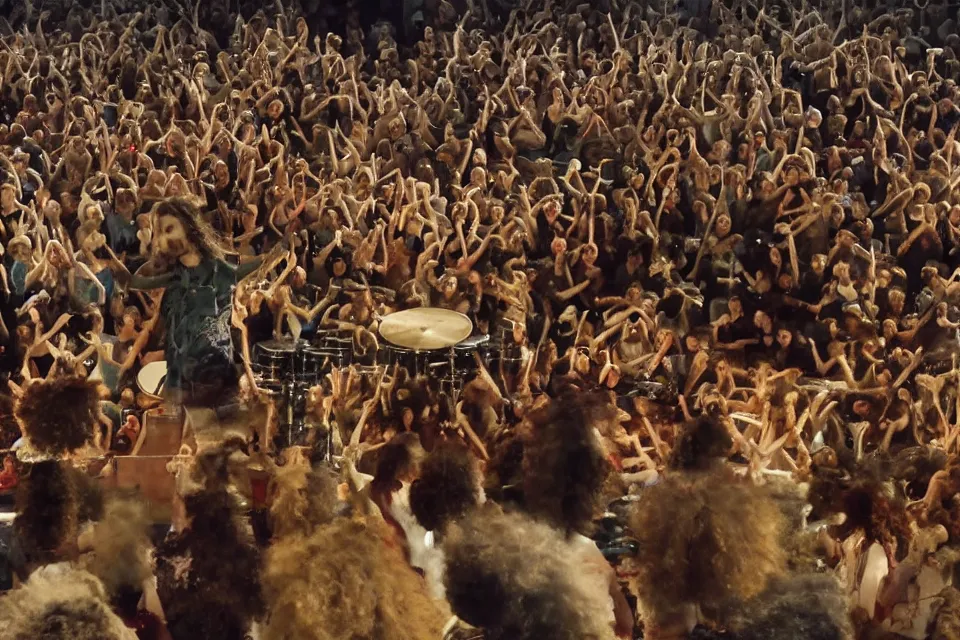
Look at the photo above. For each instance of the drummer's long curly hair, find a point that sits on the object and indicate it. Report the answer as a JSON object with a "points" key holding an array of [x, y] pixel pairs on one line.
{"points": [[198, 232], [346, 581]]}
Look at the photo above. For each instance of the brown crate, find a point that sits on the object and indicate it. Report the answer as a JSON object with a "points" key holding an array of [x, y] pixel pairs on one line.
{"points": [[149, 474]]}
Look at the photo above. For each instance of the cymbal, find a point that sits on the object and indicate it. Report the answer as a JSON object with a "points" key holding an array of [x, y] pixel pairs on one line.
{"points": [[426, 328]]}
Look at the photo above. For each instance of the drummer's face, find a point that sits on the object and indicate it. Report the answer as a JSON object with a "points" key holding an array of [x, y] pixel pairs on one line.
{"points": [[171, 237]]}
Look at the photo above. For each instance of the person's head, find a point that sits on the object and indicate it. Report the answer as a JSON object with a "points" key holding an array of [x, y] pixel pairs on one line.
{"points": [[897, 299], [784, 338], [125, 202], [58, 416], [298, 279], [723, 226], [818, 262], [275, 109], [346, 581], [8, 195], [564, 468], [708, 540], [180, 229], [121, 548], [68, 605], [735, 306], [448, 285], [800, 607], [763, 322], [701, 444], [398, 462], [302, 498], [20, 248], [449, 487], [48, 512], [518, 579], [131, 318]]}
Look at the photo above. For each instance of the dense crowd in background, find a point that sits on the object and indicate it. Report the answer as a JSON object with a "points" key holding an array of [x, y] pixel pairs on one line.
{"points": [[717, 247]]}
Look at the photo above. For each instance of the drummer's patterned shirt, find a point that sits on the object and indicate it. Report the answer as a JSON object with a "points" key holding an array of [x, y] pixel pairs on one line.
{"points": [[196, 311]]}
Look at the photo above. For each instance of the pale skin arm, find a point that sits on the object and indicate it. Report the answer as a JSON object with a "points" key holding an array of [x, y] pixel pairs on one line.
{"points": [[42, 342]]}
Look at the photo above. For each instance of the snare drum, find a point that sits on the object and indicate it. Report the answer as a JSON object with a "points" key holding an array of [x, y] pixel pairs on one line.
{"points": [[151, 379], [313, 362], [274, 360], [464, 360]]}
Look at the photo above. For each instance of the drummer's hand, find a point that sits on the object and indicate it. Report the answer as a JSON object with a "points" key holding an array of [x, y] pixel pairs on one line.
{"points": [[152, 356]]}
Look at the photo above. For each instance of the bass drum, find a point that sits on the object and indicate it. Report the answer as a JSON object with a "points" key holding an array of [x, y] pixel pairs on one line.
{"points": [[151, 379]]}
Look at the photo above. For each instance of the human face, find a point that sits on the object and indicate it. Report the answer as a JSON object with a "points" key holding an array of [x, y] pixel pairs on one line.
{"points": [[723, 225], [7, 198], [171, 237]]}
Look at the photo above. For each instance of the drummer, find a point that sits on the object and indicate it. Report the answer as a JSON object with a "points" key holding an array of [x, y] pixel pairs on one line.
{"points": [[196, 306]]}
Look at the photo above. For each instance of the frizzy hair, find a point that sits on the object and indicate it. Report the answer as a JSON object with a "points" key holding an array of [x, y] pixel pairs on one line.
{"points": [[446, 489], [520, 579], [346, 581], [67, 605], [304, 499], [706, 539], [799, 607], [564, 468], [121, 545], [47, 510], [58, 416]]}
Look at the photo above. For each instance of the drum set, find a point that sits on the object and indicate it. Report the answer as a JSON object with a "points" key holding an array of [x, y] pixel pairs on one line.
{"points": [[432, 343]]}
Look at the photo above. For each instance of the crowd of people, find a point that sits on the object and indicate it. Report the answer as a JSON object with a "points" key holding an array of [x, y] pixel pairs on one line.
{"points": [[716, 250]]}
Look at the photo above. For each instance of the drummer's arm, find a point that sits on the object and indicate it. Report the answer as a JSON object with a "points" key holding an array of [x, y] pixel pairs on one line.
{"points": [[247, 268], [140, 282], [139, 343]]}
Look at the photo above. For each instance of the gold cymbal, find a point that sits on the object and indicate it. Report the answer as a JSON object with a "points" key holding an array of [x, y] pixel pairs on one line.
{"points": [[426, 328]]}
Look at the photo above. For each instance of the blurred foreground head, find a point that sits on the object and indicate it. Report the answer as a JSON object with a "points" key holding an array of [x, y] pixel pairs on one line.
{"points": [[799, 607], [347, 580], [564, 468], [707, 542], [518, 580], [60, 605]]}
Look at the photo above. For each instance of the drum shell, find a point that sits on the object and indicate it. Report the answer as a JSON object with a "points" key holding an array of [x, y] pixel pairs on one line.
{"points": [[273, 361]]}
